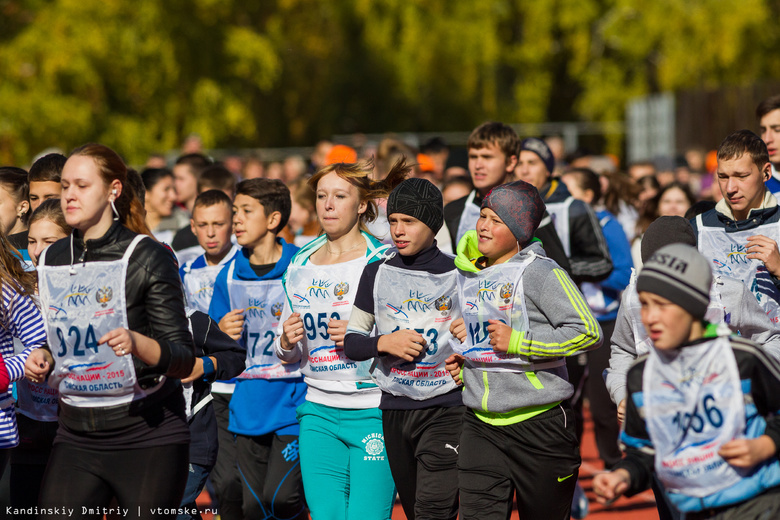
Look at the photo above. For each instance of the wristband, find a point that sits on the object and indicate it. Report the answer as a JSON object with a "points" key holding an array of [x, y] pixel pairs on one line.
{"points": [[208, 368]]}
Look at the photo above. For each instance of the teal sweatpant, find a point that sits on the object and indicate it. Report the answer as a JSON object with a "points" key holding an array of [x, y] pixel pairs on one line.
{"points": [[346, 475]]}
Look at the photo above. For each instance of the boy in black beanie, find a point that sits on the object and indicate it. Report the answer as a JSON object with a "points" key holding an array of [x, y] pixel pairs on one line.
{"points": [[702, 412], [411, 297]]}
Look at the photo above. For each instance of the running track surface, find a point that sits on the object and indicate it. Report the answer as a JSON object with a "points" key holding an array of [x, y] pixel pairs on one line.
{"points": [[639, 507]]}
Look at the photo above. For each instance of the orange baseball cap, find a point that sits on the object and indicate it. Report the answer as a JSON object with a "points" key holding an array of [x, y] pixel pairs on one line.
{"points": [[341, 153]]}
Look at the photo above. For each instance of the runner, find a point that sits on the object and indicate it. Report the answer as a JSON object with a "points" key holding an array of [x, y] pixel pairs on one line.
{"points": [[115, 319], [768, 115], [44, 179], [411, 298], [522, 315], [159, 201], [36, 403], [14, 208], [247, 302], [19, 318], [702, 413], [739, 237], [345, 470]]}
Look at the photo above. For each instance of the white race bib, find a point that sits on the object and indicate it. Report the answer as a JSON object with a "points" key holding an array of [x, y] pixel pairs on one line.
{"points": [[427, 303], [693, 404], [468, 218], [559, 213], [80, 304], [495, 293], [727, 253], [262, 302], [319, 294]]}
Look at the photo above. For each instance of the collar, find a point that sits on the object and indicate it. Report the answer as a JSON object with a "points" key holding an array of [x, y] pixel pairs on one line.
{"points": [[426, 256], [96, 243], [769, 201]]}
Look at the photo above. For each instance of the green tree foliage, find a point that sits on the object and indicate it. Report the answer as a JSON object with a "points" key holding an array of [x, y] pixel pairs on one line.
{"points": [[140, 75]]}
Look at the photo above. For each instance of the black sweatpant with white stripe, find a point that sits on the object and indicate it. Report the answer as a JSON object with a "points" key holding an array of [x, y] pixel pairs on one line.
{"points": [[537, 459], [422, 449]]}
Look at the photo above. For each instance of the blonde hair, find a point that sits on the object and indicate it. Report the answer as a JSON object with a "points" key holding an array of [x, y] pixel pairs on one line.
{"points": [[358, 174]]}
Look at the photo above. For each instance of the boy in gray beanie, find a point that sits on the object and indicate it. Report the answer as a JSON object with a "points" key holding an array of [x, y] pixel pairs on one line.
{"points": [[522, 315], [702, 413]]}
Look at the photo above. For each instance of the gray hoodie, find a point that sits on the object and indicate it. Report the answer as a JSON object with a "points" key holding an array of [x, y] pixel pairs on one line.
{"points": [[559, 322]]}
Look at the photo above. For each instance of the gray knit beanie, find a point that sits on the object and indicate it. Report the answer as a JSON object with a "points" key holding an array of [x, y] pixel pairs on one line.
{"points": [[679, 273], [519, 205], [418, 198]]}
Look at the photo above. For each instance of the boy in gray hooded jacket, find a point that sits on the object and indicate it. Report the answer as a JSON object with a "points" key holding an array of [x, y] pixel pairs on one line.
{"points": [[522, 315]]}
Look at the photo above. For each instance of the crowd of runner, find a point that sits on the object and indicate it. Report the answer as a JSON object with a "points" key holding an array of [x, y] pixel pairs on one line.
{"points": [[318, 338]]}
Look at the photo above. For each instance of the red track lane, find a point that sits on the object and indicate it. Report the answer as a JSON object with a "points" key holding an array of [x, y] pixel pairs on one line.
{"points": [[640, 507]]}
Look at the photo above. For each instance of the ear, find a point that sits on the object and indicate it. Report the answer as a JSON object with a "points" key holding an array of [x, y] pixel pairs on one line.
{"points": [[22, 208], [115, 185], [192, 226], [362, 207], [274, 219], [511, 163], [767, 171]]}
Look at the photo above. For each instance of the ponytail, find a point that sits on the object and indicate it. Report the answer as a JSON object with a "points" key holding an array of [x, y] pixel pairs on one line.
{"points": [[359, 175]]}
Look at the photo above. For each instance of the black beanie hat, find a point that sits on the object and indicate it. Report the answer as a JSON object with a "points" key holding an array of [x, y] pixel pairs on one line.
{"points": [[665, 231], [418, 198]]}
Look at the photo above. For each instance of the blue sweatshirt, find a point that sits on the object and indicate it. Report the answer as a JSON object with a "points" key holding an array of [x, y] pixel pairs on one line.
{"points": [[259, 406], [609, 289]]}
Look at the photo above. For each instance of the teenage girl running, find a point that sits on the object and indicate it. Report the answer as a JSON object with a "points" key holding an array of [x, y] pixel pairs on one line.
{"points": [[343, 458], [118, 341]]}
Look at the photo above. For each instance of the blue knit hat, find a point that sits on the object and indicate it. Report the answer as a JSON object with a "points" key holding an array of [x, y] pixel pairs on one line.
{"points": [[540, 148]]}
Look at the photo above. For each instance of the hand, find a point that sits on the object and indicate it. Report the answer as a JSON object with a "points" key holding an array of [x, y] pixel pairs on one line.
{"points": [[337, 329], [765, 249], [609, 486], [292, 331], [405, 344], [499, 335], [746, 453], [121, 340], [232, 324], [458, 330], [621, 411], [453, 365], [38, 364], [197, 370]]}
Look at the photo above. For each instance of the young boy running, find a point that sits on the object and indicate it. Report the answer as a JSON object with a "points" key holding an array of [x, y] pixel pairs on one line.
{"points": [[212, 224], [703, 406], [411, 297], [522, 315], [247, 302]]}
